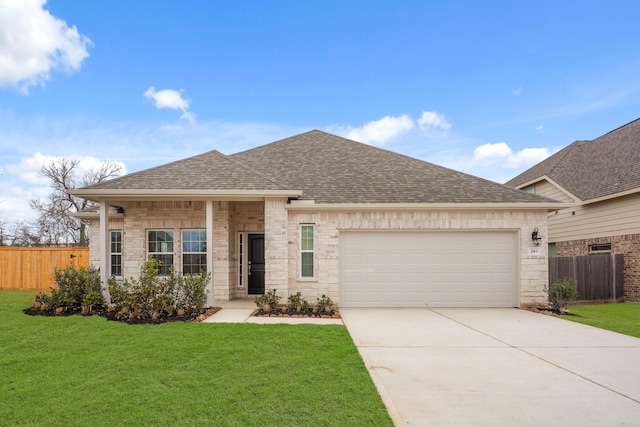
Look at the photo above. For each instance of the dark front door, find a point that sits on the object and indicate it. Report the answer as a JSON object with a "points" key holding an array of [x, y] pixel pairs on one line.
{"points": [[255, 263]]}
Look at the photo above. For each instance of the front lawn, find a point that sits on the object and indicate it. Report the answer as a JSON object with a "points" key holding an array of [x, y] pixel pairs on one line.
{"points": [[66, 371], [623, 318]]}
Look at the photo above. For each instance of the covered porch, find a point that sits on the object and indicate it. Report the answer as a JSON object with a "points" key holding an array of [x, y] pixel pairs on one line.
{"points": [[243, 243]]}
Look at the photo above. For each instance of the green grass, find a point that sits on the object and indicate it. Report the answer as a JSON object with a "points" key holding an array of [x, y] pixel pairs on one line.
{"points": [[77, 371], [623, 318]]}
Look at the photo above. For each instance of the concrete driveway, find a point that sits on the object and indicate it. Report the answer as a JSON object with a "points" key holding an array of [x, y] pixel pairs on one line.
{"points": [[497, 367]]}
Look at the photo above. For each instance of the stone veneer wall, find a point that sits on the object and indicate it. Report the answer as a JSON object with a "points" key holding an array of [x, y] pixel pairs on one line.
{"points": [[141, 216], [275, 247], [628, 245], [533, 270], [281, 228]]}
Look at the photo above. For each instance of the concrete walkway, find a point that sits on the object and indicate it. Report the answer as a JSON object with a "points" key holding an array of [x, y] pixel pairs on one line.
{"points": [[497, 367]]}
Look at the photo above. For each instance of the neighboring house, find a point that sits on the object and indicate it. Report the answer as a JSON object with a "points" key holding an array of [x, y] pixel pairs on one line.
{"points": [[600, 180], [321, 214]]}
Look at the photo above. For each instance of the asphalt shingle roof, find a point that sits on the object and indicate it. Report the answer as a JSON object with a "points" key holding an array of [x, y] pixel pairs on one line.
{"points": [[208, 171], [328, 169], [331, 169], [601, 167]]}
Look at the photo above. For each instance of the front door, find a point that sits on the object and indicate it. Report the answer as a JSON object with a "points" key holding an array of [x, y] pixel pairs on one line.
{"points": [[255, 264]]}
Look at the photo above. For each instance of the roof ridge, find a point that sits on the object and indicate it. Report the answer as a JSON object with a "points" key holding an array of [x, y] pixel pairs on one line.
{"points": [[616, 129]]}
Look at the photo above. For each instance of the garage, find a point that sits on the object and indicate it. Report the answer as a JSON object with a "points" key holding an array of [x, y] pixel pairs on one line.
{"points": [[429, 269]]}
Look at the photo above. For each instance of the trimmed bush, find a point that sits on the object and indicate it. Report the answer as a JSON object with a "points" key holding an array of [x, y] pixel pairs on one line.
{"points": [[562, 293], [75, 287], [152, 296]]}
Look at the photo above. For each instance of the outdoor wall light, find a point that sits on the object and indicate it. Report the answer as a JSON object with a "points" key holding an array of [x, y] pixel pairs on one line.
{"points": [[535, 237]]}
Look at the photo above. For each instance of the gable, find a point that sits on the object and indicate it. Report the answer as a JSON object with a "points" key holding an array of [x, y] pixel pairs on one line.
{"points": [[548, 188], [603, 167]]}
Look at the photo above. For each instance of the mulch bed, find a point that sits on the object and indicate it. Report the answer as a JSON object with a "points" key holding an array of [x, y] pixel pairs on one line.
{"points": [[164, 318], [548, 311], [283, 312]]}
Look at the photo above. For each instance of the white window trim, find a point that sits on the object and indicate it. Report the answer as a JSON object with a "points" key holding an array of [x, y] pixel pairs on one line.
{"points": [[173, 253], [183, 253], [242, 260], [111, 253], [301, 251]]}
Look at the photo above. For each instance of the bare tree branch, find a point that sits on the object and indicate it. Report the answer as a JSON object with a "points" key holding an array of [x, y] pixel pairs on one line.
{"points": [[55, 223]]}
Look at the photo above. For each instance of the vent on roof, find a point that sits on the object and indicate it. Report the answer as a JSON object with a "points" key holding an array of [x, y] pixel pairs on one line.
{"points": [[618, 180]]}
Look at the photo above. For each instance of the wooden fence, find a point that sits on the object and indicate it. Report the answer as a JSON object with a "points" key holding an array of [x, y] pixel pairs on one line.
{"points": [[600, 277], [33, 268]]}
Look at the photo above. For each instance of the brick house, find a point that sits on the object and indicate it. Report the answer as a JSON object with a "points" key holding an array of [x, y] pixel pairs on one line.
{"points": [[321, 214], [599, 180]]}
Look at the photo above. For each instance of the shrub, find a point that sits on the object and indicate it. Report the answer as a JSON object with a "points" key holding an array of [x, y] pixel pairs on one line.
{"points": [[151, 295], [93, 301], [73, 287], [189, 292], [270, 298], [324, 304], [75, 283], [562, 293], [294, 302]]}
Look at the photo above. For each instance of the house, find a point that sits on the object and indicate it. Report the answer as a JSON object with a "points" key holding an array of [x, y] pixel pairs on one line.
{"points": [[320, 214], [600, 182]]}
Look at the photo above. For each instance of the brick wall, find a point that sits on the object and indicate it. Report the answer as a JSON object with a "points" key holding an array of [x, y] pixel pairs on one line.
{"points": [[628, 245]]}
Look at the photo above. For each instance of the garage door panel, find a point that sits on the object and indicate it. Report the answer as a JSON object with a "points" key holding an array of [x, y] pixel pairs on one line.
{"points": [[428, 269]]}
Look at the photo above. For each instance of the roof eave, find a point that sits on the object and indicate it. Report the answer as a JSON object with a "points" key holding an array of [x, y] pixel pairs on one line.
{"points": [[612, 196], [309, 205], [181, 194]]}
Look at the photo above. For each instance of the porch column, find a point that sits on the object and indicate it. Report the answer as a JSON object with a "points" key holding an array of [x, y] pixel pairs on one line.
{"points": [[276, 250], [209, 221], [104, 245]]}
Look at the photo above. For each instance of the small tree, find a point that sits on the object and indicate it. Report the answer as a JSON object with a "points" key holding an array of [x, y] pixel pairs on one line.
{"points": [[562, 293]]}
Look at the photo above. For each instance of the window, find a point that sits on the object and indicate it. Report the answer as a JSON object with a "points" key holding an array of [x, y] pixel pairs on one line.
{"points": [[241, 257], [160, 247], [116, 252], [306, 251], [552, 250], [194, 251], [600, 248]]}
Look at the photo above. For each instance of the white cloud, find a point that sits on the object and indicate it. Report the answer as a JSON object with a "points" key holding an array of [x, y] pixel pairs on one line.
{"points": [[501, 151], [169, 98], [432, 121], [33, 43], [492, 151], [517, 91], [188, 116], [540, 128], [381, 131], [28, 169], [528, 157]]}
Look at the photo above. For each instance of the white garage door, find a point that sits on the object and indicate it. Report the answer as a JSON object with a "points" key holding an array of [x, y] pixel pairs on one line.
{"points": [[428, 269]]}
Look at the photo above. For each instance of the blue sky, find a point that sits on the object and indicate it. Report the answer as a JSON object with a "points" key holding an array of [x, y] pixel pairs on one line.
{"points": [[488, 88]]}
